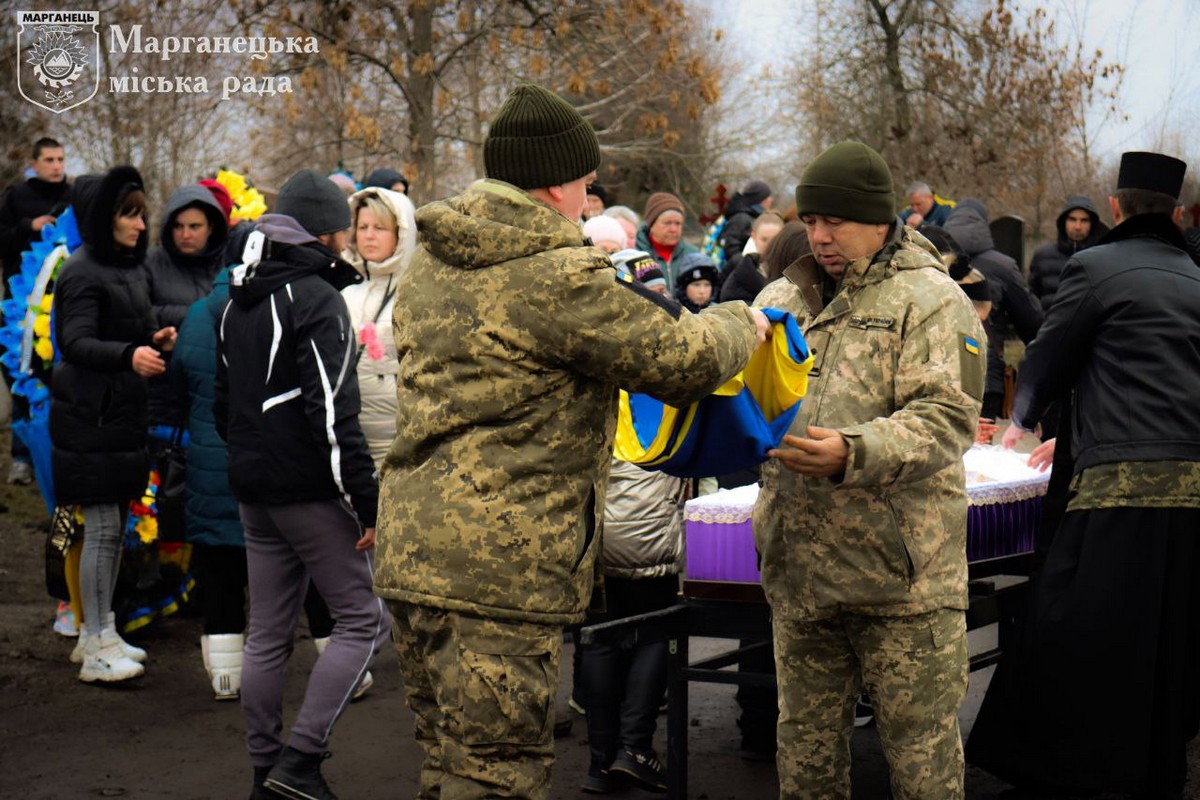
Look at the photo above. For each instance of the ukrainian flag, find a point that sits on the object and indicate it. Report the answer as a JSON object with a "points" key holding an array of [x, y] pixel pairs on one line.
{"points": [[731, 429]]}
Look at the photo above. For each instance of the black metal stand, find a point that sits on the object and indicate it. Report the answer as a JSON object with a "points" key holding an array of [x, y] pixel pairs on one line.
{"points": [[739, 611]]}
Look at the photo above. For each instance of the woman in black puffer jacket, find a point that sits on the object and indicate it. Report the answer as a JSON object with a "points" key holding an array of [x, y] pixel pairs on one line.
{"points": [[106, 336]]}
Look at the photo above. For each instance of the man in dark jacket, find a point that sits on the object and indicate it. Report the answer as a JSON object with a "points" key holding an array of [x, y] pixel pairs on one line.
{"points": [[1079, 227], [30, 206], [25, 209], [743, 208], [287, 403], [1012, 302], [1117, 614]]}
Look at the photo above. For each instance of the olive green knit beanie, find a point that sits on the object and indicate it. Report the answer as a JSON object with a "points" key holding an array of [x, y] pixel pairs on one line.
{"points": [[848, 180], [537, 140]]}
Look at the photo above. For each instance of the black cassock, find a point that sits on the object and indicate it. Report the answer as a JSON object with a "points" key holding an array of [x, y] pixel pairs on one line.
{"points": [[1100, 690]]}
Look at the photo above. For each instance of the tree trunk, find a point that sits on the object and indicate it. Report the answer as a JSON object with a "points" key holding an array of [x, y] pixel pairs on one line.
{"points": [[901, 127], [422, 135]]}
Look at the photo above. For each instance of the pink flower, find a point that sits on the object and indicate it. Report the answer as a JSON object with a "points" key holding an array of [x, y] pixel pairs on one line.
{"points": [[368, 337]]}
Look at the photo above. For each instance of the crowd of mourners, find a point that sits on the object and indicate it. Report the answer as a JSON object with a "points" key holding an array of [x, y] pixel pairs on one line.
{"points": [[395, 420]]}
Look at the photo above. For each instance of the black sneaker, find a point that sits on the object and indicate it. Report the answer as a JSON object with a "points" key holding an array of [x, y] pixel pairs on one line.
{"points": [[643, 769], [599, 781], [297, 776], [259, 792]]}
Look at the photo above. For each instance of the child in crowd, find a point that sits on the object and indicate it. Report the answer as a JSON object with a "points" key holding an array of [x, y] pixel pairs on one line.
{"points": [[696, 281]]}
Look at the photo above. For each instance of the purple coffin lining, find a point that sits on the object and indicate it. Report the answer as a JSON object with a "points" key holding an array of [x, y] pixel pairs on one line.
{"points": [[721, 552]]}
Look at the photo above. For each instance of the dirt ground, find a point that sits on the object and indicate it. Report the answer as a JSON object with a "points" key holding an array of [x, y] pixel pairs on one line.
{"points": [[164, 737]]}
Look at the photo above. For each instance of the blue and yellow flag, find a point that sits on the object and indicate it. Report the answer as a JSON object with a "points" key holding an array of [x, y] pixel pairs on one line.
{"points": [[732, 428]]}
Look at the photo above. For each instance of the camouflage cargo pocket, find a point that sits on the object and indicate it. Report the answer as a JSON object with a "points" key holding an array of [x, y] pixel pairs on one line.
{"points": [[506, 698]]}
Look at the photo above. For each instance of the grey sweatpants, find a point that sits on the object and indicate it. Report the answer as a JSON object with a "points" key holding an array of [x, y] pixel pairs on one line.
{"points": [[286, 545]]}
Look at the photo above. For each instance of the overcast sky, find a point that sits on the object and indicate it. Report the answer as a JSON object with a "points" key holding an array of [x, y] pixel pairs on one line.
{"points": [[1157, 40]]}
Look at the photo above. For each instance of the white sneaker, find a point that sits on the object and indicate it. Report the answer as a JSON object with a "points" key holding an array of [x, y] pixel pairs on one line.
{"points": [[225, 659], [76, 656], [104, 660], [134, 653], [366, 683]]}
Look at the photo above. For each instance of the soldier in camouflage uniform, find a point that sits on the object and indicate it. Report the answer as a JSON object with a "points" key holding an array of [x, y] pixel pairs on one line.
{"points": [[861, 522], [1100, 694], [513, 336]]}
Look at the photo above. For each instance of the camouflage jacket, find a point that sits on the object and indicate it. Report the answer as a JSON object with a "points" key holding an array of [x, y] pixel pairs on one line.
{"points": [[899, 372], [513, 335]]}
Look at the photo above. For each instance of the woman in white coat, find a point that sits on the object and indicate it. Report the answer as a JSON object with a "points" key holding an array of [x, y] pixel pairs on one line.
{"points": [[383, 236]]}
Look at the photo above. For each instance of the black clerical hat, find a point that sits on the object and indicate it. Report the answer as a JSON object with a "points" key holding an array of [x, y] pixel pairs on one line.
{"points": [[1153, 172]]}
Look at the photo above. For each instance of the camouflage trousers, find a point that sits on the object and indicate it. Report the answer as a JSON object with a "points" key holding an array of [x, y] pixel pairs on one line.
{"points": [[915, 670], [483, 694]]}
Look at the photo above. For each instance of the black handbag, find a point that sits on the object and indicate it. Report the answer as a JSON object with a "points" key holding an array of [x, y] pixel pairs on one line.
{"points": [[65, 530], [170, 498]]}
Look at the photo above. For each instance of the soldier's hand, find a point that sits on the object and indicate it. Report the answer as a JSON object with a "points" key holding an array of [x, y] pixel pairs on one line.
{"points": [[985, 430], [762, 326], [1043, 455], [822, 455], [367, 541]]}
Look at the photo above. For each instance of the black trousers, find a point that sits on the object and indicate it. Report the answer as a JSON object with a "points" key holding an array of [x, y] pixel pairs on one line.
{"points": [[221, 574], [624, 683], [320, 621]]}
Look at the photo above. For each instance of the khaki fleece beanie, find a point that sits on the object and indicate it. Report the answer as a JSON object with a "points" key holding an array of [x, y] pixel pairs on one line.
{"points": [[848, 180], [537, 140]]}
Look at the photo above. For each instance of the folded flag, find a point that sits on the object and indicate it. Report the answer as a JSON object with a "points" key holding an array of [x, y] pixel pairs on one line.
{"points": [[731, 429]]}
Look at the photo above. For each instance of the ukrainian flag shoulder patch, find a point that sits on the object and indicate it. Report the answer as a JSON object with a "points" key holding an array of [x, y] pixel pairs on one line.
{"points": [[970, 344]]}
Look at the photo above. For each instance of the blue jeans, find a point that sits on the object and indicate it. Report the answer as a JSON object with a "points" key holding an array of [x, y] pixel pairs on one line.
{"points": [[100, 561]]}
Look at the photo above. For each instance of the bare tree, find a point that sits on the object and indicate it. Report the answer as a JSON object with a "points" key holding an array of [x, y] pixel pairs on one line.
{"points": [[415, 82], [976, 98], [172, 137]]}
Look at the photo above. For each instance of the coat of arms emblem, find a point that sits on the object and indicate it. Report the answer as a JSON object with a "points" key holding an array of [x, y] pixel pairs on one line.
{"points": [[58, 54]]}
